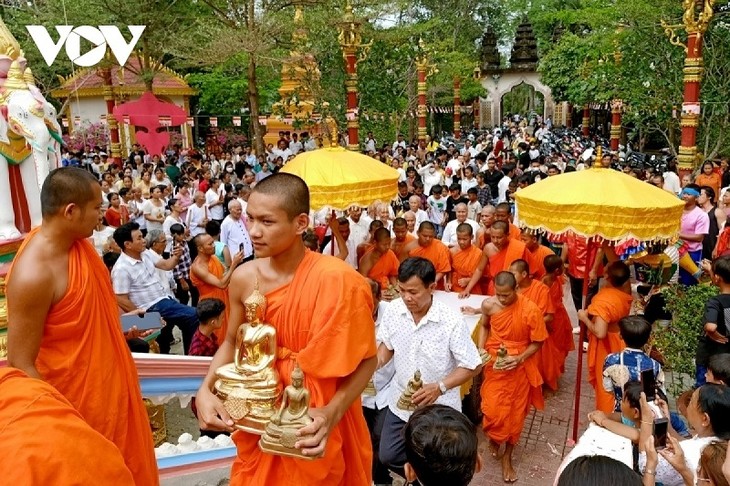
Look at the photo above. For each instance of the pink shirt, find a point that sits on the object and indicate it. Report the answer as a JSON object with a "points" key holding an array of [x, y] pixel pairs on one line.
{"points": [[695, 222]]}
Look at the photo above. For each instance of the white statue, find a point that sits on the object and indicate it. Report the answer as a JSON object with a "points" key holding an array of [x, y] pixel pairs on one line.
{"points": [[29, 134]]}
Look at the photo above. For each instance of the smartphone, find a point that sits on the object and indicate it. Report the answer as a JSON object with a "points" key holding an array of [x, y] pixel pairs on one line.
{"points": [[144, 322], [649, 384], [661, 428], [240, 248]]}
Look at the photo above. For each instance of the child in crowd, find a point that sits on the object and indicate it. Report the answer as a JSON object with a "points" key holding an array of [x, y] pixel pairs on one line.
{"points": [[715, 339], [626, 421], [473, 208], [441, 447]]}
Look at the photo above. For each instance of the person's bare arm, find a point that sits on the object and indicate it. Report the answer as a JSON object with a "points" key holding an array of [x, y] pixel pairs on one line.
{"points": [[124, 302], [597, 326], [169, 263], [483, 261], [201, 271], [430, 392], [227, 259], [30, 295], [326, 418], [691, 237], [366, 264], [484, 327], [211, 413]]}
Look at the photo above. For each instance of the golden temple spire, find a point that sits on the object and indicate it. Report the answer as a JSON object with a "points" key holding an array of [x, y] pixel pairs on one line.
{"points": [[9, 45]]}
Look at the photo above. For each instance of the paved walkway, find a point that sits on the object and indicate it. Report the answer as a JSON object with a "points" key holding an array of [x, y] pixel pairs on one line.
{"points": [[546, 437]]}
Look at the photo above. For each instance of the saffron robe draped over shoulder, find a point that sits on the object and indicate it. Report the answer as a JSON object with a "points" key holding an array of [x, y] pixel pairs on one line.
{"points": [[45, 441], [207, 291], [508, 395], [537, 261], [550, 357], [386, 266], [611, 305], [323, 320], [84, 355], [562, 327], [463, 265], [501, 261], [437, 253]]}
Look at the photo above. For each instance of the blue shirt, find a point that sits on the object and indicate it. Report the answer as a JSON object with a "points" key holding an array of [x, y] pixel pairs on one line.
{"points": [[618, 368]]}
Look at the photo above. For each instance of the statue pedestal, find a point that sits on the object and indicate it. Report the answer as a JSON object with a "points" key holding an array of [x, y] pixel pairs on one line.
{"points": [[250, 409], [8, 249]]}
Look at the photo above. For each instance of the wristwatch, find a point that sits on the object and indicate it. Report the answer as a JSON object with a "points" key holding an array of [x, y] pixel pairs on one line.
{"points": [[442, 387]]}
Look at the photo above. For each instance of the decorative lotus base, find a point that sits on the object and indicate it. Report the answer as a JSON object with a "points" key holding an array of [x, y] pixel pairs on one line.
{"points": [[249, 409], [280, 442]]}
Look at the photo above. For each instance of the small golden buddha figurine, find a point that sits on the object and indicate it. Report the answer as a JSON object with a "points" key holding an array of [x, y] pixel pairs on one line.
{"points": [[501, 357], [249, 387], [370, 390], [280, 434], [485, 356], [405, 402]]}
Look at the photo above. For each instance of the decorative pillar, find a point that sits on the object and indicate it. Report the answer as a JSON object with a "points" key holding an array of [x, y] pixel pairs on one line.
{"points": [[696, 19], [424, 69], [616, 107], [457, 108], [586, 120], [351, 41], [569, 115], [115, 145]]}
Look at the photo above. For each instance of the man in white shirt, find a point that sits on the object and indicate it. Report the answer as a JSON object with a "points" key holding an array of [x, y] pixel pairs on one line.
{"points": [[358, 225], [414, 203], [282, 150], [449, 237], [344, 226], [234, 233], [503, 185], [370, 143], [425, 336], [671, 180], [295, 146], [198, 215], [398, 143], [214, 198]]}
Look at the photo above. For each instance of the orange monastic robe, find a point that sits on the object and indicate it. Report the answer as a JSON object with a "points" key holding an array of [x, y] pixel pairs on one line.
{"points": [[611, 305], [508, 395], [386, 266], [84, 355], [463, 265], [44, 440], [437, 253], [537, 261], [397, 246], [323, 320], [562, 327], [501, 261], [207, 291], [514, 232], [550, 357]]}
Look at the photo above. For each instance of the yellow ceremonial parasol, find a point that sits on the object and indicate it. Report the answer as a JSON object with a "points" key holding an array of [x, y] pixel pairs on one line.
{"points": [[339, 178], [598, 203]]}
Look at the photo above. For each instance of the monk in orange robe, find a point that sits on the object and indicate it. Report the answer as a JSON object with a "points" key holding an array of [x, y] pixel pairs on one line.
{"points": [[63, 326], [538, 253], [380, 263], [429, 247], [497, 256], [610, 305], [464, 260], [503, 213], [44, 440], [322, 311], [549, 356], [562, 327], [486, 218], [211, 278], [514, 321], [402, 238], [363, 248]]}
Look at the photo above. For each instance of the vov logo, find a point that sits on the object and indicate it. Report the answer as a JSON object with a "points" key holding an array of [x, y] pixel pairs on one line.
{"points": [[70, 36]]}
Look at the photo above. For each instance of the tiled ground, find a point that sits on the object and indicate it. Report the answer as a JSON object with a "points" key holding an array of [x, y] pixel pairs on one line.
{"points": [[546, 436]]}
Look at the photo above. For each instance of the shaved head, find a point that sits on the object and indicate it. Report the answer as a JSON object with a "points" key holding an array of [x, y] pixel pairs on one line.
{"points": [[460, 206], [381, 234], [291, 190], [520, 266], [375, 224], [426, 225], [465, 228], [500, 225], [64, 186], [505, 279], [399, 222]]}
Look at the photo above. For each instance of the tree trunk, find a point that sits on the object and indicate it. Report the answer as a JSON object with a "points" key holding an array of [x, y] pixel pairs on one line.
{"points": [[253, 104]]}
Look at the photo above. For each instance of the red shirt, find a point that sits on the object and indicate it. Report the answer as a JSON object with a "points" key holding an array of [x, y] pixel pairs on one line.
{"points": [[203, 345]]}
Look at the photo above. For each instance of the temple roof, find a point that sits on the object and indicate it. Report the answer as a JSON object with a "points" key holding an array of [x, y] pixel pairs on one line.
{"points": [[489, 54], [88, 82], [524, 50]]}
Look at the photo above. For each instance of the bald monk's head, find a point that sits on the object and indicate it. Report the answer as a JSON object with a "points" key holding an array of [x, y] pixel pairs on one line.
{"points": [[461, 212], [505, 288], [426, 233], [486, 217], [410, 218], [529, 238], [375, 225], [74, 195], [464, 235], [289, 192], [520, 269], [553, 265], [382, 240], [502, 212], [617, 274], [400, 229], [499, 234], [205, 244]]}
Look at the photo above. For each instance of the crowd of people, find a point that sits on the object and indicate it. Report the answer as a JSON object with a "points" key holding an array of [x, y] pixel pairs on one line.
{"points": [[188, 236]]}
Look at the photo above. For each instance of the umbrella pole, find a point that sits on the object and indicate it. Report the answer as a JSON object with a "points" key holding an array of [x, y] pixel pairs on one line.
{"points": [[590, 257], [334, 240]]}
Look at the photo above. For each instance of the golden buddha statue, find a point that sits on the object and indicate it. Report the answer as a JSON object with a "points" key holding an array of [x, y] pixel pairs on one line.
{"points": [[405, 402], [280, 434], [249, 387], [501, 357]]}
